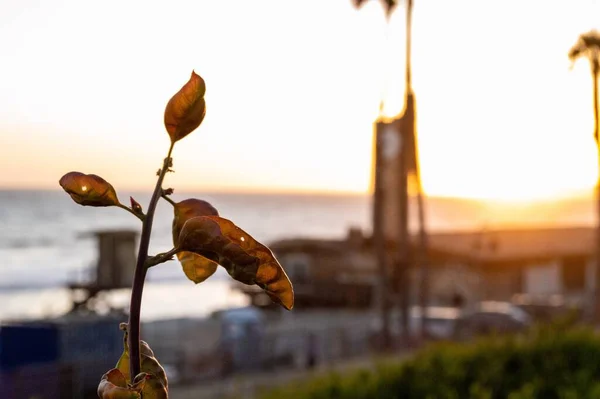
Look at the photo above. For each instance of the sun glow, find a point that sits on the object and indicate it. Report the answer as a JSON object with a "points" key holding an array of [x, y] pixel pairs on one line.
{"points": [[292, 93]]}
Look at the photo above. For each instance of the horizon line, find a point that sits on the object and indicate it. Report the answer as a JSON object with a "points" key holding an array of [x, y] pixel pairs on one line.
{"points": [[232, 191], [575, 195]]}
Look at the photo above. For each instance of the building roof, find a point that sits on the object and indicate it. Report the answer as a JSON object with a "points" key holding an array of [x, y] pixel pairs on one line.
{"points": [[118, 233], [516, 244], [309, 245], [491, 246]]}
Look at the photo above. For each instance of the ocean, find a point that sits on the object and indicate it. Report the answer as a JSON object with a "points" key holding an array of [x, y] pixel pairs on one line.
{"points": [[43, 242]]}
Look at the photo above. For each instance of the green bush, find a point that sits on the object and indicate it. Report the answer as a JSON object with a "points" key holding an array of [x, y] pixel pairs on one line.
{"points": [[548, 362]]}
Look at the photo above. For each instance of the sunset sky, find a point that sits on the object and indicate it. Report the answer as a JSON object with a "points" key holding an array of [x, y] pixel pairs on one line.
{"points": [[293, 88]]}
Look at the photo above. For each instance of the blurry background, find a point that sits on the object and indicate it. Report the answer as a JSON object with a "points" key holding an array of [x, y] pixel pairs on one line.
{"points": [[504, 124], [293, 89]]}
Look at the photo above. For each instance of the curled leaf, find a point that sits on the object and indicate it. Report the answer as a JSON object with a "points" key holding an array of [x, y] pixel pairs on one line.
{"points": [[155, 388], [186, 109], [197, 268], [156, 383], [244, 258], [113, 385], [89, 190], [139, 382]]}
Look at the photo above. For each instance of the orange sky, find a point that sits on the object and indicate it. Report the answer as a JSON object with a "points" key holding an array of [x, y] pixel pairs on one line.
{"points": [[292, 90]]}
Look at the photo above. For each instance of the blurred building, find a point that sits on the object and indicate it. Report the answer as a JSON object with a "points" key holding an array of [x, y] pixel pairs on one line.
{"points": [[64, 357], [325, 273], [540, 262], [466, 267], [114, 268]]}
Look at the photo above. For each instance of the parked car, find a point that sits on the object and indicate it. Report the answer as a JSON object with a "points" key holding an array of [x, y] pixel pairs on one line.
{"points": [[440, 322], [547, 308], [490, 317]]}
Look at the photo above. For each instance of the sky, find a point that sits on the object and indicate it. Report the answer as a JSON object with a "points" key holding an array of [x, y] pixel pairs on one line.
{"points": [[293, 89]]}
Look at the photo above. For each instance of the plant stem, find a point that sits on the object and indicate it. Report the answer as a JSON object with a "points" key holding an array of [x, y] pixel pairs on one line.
{"points": [[140, 274], [161, 258], [131, 211], [166, 198]]}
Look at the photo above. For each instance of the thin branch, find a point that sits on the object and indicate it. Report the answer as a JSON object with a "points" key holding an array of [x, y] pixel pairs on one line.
{"points": [[141, 217], [166, 198], [161, 258]]}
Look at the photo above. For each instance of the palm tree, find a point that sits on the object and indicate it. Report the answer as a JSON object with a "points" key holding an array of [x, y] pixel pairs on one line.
{"points": [[380, 247], [588, 46], [407, 120]]}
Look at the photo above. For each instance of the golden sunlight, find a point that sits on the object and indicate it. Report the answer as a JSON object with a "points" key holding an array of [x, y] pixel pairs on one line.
{"points": [[499, 112]]}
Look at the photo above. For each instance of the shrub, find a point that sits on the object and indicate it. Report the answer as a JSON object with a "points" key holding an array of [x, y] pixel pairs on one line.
{"points": [[547, 362]]}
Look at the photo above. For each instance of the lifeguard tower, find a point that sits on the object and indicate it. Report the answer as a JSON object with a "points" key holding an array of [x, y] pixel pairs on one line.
{"points": [[113, 270]]}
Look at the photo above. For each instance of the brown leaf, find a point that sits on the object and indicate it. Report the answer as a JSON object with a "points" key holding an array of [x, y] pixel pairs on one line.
{"points": [[186, 109], [156, 383], [244, 258], [149, 363], [197, 268], [113, 385], [139, 382], [145, 352], [89, 190], [154, 388], [187, 209]]}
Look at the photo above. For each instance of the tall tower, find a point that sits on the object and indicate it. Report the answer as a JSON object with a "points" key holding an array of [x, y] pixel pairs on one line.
{"points": [[396, 159]]}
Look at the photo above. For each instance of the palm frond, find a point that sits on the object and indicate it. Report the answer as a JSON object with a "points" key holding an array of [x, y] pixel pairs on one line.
{"points": [[575, 51], [591, 39], [587, 44], [389, 4]]}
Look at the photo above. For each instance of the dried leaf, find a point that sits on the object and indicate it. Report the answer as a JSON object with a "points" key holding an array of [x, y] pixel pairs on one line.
{"points": [[89, 190], [140, 383], [156, 385], [186, 109], [244, 258], [155, 388], [197, 268], [123, 363], [113, 385], [189, 208]]}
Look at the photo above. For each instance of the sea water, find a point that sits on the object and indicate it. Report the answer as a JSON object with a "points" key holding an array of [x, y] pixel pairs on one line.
{"points": [[44, 245]]}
